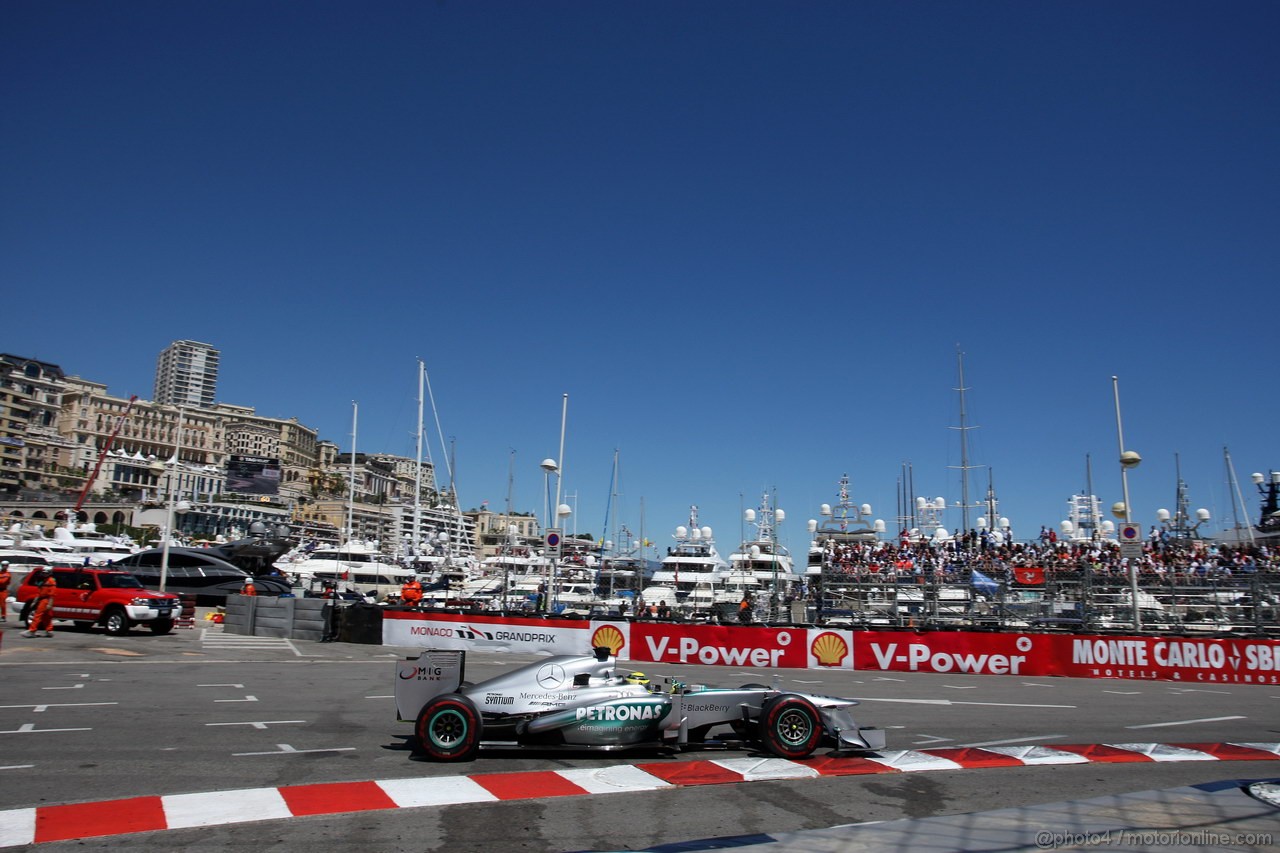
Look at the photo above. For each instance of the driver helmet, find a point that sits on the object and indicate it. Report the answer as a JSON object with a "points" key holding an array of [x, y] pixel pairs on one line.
{"points": [[635, 678]]}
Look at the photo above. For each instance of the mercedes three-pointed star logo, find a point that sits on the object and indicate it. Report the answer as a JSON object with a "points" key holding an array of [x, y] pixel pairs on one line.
{"points": [[551, 676]]}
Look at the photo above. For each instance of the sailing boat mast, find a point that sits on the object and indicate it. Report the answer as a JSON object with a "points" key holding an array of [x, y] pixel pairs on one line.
{"points": [[1234, 489], [417, 469], [964, 447], [351, 485]]}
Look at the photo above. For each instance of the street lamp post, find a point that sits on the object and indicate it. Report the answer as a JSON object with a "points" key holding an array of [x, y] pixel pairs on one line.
{"points": [[1128, 459]]}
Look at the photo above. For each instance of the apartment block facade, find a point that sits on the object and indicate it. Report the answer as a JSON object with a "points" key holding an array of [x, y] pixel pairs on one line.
{"points": [[187, 374]]}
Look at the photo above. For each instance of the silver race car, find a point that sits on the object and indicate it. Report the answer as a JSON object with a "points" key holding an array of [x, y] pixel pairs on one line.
{"points": [[588, 702]]}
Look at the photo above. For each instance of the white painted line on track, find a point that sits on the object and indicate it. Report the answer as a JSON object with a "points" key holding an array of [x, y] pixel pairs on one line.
{"points": [[1186, 722], [1013, 705], [931, 739], [388, 696], [240, 686], [961, 686], [42, 708], [285, 749], [1034, 684], [1012, 740], [261, 725], [245, 699], [72, 687], [17, 767], [30, 728], [1124, 692]]}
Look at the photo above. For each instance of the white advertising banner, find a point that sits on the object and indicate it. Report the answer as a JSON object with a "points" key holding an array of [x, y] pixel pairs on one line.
{"points": [[428, 630]]}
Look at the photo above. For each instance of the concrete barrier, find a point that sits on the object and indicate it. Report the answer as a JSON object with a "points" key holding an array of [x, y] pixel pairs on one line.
{"points": [[268, 616]]}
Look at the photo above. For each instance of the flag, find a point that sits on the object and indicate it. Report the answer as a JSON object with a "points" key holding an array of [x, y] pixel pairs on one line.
{"points": [[1031, 576], [984, 584]]}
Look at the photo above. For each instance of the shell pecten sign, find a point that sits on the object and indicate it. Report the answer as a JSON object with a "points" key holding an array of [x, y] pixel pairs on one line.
{"points": [[609, 635], [829, 649]]}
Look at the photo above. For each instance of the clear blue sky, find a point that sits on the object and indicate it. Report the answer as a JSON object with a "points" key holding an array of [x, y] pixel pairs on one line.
{"points": [[746, 238]]}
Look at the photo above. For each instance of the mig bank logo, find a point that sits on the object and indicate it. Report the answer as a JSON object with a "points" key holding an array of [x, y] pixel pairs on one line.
{"points": [[466, 632]]}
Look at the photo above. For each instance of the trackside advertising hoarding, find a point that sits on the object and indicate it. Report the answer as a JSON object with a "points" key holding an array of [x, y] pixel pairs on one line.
{"points": [[426, 630], [1076, 656], [1235, 661], [754, 648], [651, 642]]}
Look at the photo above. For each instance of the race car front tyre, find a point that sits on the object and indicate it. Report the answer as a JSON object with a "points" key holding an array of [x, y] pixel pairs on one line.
{"points": [[790, 726], [448, 728]]}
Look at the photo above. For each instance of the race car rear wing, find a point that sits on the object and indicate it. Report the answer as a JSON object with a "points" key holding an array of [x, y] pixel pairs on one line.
{"points": [[428, 675]]}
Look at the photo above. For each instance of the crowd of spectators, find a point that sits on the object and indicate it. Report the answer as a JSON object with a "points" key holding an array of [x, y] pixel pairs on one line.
{"points": [[1164, 560]]}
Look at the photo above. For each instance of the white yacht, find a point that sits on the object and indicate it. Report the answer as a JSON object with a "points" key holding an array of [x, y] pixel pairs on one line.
{"points": [[356, 566], [519, 568], [767, 560], [693, 570], [92, 547]]}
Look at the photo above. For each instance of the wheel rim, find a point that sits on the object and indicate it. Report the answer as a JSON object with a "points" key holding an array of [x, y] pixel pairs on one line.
{"points": [[794, 727], [448, 728]]}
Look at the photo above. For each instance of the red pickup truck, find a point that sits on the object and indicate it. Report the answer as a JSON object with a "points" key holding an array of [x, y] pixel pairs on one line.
{"points": [[100, 596]]}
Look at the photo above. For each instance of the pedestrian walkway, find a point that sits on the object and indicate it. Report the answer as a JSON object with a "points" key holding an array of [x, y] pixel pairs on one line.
{"points": [[180, 811], [214, 638]]}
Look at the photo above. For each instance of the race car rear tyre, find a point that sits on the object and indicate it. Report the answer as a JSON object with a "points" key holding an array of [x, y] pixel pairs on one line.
{"points": [[790, 726], [448, 728]]}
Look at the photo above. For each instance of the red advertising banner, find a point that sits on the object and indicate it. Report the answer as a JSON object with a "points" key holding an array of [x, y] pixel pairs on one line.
{"points": [[1169, 659], [952, 651], [719, 645], [1173, 659]]}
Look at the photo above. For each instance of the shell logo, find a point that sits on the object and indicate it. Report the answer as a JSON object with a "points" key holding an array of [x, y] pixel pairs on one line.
{"points": [[829, 649], [608, 635]]}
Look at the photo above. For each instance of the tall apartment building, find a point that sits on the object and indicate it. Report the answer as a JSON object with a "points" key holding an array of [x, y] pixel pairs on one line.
{"points": [[187, 374]]}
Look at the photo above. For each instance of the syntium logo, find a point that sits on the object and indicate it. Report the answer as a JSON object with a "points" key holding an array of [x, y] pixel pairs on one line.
{"points": [[466, 632]]}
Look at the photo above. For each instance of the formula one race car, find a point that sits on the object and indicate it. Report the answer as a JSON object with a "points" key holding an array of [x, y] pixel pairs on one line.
{"points": [[587, 702]]}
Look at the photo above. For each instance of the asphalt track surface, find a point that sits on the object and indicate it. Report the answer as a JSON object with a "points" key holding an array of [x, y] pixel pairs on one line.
{"points": [[222, 730]]}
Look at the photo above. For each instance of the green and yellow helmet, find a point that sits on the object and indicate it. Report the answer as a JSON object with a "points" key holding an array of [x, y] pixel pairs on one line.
{"points": [[636, 678]]}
